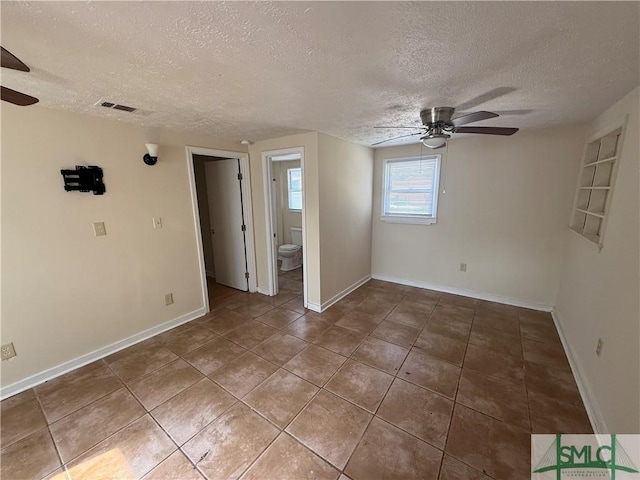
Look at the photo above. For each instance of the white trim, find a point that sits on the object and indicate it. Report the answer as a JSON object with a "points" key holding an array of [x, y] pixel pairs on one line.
{"points": [[339, 296], [247, 203], [211, 274], [263, 291], [314, 307], [51, 373], [272, 248], [490, 297], [593, 412]]}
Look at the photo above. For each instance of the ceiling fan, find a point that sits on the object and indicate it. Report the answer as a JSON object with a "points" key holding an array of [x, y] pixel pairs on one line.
{"points": [[9, 60], [438, 123]]}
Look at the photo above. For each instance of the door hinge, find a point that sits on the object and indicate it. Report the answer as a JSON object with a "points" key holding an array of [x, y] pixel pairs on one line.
{"points": [[244, 228], [239, 176], [246, 275]]}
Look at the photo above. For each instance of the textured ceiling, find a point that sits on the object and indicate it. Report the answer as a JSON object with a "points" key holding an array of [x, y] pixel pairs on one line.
{"points": [[267, 69]]}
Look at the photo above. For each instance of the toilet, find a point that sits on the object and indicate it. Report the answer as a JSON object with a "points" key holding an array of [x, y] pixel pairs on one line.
{"points": [[291, 254]]}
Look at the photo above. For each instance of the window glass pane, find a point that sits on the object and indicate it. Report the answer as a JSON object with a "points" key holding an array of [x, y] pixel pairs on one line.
{"points": [[411, 187], [294, 184]]}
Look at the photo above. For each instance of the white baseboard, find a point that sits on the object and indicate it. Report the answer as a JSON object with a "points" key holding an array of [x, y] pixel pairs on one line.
{"points": [[467, 293], [211, 274], [90, 357], [593, 412], [314, 307], [263, 291], [339, 296]]}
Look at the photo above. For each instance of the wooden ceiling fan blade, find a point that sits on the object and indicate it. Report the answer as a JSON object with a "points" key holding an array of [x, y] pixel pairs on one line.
{"points": [[9, 60], [17, 98], [473, 117], [395, 138], [487, 130]]}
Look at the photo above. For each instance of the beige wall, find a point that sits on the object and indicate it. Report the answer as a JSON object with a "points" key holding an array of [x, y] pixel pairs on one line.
{"points": [[203, 207], [66, 293], [346, 176], [290, 218], [308, 141], [599, 291], [504, 214]]}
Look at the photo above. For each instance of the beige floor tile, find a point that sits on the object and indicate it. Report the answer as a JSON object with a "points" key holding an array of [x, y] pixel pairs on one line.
{"points": [[558, 384], [448, 327], [213, 355], [279, 317], [226, 321], [85, 428], [286, 459], [409, 318], [387, 452], [280, 348], [380, 354], [161, 385], [176, 467], [499, 399], [441, 346], [281, 397], [331, 427], [457, 300], [361, 323], [21, 416], [494, 364], [452, 312], [489, 445], [227, 446], [360, 384], [418, 411], [315, 364], [130, 453], [496, 340], [495, 308], [453, 469], [74, 390], [396, 333], [375, 306], [192, 409], [188, 339], [32, 457], [418, 305], [296, 304], [340, 340], [540, 331], [431, 372], [140, 359], [503, 323], [308, 327], [250, 334], [549, 354], [243, 374], [552, 416]]}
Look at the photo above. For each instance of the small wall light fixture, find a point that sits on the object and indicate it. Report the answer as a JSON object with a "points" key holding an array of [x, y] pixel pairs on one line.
{"points": [[152, 157]]}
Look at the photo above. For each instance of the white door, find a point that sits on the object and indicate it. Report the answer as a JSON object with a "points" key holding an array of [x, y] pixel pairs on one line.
{"points": [[227, 224]]}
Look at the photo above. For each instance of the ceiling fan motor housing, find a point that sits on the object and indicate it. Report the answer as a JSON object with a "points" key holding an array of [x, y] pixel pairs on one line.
{"points": [[436, 115]]}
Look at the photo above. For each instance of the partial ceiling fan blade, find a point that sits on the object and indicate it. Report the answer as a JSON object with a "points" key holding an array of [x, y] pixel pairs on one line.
{"points": [[486, 130], [9, 60], [473, 117], [395, 138], [417, 126], [17, 98]]}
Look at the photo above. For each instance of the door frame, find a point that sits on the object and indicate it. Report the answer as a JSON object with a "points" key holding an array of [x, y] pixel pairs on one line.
{"points": [[245, 186], [272, 250]]}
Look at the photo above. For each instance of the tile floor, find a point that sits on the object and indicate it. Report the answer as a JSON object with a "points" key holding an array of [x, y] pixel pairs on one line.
{"points": [[391, 382]]}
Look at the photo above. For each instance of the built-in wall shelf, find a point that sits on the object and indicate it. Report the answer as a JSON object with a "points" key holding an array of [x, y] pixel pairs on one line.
{"points": [[595, 185]]}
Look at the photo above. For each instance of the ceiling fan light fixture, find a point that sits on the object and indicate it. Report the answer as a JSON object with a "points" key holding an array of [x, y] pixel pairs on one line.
{"points": [[435, 140]]}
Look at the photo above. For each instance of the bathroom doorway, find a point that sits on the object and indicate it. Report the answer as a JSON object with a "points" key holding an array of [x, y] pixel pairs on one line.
{"points": [[221, 200], [284, 202]]}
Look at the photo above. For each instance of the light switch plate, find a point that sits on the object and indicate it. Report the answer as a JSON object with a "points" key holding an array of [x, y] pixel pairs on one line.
{"points": [[99, 229]]}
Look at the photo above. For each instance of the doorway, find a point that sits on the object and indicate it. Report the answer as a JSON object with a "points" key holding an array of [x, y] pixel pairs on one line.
{"points": [[285, 217], [221, 198]]}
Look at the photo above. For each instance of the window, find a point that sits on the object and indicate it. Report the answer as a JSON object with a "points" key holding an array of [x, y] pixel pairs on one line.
{"points": [[410, 189], [294, 187], [595, 185]]}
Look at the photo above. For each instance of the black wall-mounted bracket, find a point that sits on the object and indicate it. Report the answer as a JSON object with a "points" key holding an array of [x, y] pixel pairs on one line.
{"points": [[84, 179]]}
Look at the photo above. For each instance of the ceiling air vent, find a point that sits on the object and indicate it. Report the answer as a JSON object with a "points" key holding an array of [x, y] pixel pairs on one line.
{"points": [[115, 106]]}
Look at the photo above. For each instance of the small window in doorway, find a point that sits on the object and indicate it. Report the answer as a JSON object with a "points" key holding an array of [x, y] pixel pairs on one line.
{"points": [[294, 186]]}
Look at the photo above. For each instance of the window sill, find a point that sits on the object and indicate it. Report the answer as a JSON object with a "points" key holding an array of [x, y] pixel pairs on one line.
{"points": [[407, 220], [295, 210]]}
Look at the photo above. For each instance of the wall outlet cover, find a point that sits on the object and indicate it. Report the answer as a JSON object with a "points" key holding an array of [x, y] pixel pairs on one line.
{"points": [[99, 229], [157, 222], [8, 351], [168, 298]]}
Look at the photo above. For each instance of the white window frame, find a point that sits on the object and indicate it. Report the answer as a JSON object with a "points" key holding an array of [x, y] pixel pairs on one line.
{"points": [[289, 189], [411, 219]]}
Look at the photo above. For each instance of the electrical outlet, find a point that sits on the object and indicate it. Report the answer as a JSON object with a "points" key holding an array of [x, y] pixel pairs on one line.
{"points": [[157, 222], [599, 347], [168, 298], [463, 267], [8, 351], [99, 229]]}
